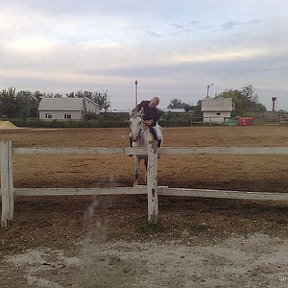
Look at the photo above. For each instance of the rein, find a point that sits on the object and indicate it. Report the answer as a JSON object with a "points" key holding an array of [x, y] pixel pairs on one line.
{"points": [[141, 131], [142, 128]]}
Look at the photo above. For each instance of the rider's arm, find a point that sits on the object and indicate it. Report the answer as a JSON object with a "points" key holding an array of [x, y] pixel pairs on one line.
{"points": [[155, 118]]}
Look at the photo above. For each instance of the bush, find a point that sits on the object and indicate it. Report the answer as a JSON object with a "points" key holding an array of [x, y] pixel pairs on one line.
{"points": [[121, 120]]}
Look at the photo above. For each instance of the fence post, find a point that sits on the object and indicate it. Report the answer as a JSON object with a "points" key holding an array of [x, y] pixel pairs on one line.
{"points": [[7, 188], [152, 182]]}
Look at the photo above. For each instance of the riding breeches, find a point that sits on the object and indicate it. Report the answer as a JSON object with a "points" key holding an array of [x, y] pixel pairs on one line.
{"points": [[158, 131]]}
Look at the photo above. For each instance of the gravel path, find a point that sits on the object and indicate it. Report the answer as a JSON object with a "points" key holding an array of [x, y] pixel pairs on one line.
{"points": [[253, 261]]}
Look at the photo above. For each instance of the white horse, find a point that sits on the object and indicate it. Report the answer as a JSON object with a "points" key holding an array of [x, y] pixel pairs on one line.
{"points": [[140, 135]]}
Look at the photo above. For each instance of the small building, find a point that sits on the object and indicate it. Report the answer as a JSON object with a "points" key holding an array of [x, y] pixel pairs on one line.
{"points": [[65, 108], [216, 110]]}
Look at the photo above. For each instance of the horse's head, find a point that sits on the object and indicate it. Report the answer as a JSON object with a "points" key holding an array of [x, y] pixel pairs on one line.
{"points": [[136, 124]]}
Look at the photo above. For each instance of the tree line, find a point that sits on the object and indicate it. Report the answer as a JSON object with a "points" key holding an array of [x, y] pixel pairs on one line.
{"points": [[244, 101], [24, 103]]}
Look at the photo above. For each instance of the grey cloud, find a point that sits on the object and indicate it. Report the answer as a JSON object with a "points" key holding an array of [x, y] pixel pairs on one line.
{"points": [[154, 34], [76, 29], [177, 26], [233, 24], [185, 27], [194, 22]]}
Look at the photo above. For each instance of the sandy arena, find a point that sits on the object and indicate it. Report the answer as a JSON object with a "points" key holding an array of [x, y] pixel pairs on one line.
{"points": [[105, 241]]}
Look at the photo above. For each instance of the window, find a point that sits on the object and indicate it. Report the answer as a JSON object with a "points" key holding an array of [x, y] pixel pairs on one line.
{"points": [[48, 115], [67, 116], [218, 113]]}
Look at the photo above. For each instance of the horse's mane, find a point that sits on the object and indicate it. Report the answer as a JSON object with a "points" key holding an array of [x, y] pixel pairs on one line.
{"points": [[135, 112]]}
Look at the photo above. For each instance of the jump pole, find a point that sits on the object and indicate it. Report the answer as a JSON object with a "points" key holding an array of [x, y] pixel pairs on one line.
{"points": [[152, 182], [7, 188]]}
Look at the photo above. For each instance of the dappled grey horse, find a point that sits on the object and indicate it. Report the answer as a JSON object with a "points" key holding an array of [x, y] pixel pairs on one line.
{"points": [[140, 136]]}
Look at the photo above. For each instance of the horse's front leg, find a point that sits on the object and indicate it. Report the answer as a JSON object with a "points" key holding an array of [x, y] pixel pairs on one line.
{"points": [[137, 170]]}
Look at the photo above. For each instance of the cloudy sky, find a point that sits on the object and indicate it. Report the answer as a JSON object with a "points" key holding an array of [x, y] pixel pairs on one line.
{"points": [[174, 49]]}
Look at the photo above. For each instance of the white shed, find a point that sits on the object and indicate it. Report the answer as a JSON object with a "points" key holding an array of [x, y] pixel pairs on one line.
{"points": [[66, 108], [216, 110]]}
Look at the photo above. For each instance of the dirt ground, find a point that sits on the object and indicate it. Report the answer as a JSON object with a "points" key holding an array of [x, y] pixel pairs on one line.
{"points": [[106, 242]]}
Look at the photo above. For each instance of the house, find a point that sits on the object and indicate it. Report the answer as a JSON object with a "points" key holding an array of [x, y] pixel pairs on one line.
{"points": [[66, 108], [216, 110]]}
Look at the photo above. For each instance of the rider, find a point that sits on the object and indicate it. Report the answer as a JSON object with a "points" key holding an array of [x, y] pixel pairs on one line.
{"points": [[151, 117]]}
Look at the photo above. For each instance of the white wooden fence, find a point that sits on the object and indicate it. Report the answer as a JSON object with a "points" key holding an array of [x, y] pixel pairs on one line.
{"points": [[8, 191]]}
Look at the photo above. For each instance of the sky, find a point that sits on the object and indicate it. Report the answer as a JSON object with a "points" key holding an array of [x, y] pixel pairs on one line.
{"points": [[174, 49]]}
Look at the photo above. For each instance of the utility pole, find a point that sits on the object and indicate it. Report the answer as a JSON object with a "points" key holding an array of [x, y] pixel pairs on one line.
{"points": [[208, 86], [136, 101]]}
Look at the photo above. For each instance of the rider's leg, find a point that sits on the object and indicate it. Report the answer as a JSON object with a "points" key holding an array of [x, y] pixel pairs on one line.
{"points": [[157, 131], [154, 134]]}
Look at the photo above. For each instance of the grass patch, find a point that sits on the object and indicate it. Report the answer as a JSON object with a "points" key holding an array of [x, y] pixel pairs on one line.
{"points": [[144, 227], [175, 227], [190, 227], [198, 227]]}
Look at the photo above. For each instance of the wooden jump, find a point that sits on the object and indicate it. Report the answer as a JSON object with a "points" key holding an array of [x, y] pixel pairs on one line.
{"points": [[152, 190]]}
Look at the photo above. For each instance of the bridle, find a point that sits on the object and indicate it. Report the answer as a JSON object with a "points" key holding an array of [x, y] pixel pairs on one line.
{"points": [[142, 128]]}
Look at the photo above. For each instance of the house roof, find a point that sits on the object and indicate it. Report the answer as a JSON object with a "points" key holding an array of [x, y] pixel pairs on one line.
{"points": [[64, 103], [218, 104]]}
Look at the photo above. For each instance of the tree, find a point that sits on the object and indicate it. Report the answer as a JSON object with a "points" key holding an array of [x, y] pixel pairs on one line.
{"points": [[27, 104], [8, 105], [57, 95], [22, 99], [38, 96], [102, 99], [20, 104], [71, 95], [187, 107], [244, 100], [197, 113], [175, 104], [24, 104], [178, 104]]}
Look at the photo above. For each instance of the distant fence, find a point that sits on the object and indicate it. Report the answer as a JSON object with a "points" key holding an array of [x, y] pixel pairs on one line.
{"points": [[151, 189]]}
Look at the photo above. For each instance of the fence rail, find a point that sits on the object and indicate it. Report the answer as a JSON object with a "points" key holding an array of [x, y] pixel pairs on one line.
{"points": [[162, 191], [152, 190], [163, 150]]}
